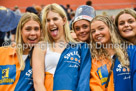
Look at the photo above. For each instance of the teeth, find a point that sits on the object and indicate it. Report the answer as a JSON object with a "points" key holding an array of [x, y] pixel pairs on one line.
{"points": [[83, 34], [53, 29], [99, 38], [32, 38], [127, 30]]}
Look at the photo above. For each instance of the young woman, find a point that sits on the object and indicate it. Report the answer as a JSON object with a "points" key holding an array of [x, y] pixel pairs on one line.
{"points": [[15, 65], [65, 63], [81, 24], [126, 24], [112, 64]]}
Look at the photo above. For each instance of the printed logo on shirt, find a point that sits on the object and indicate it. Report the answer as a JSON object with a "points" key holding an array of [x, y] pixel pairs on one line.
{"points": [[73, 58], [103, 74], [122, 69], [7, 74], [123, 72], [28, 76]]}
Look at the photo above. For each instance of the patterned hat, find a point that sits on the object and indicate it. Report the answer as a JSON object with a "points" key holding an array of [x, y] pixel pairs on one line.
{"points": [[84, 12]]}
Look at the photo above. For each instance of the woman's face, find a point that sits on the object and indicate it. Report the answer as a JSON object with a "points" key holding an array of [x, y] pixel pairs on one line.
{"points": [[55, 24], [82, 30], [100, 32], [127, 26], [31, 32]]}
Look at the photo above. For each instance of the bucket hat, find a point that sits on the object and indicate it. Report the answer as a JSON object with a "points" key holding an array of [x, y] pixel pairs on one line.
{"points": [[84, 12]]}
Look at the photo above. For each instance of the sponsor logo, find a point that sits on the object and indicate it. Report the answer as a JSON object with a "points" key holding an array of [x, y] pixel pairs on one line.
{"points": [[103, 74], [7, 74]]}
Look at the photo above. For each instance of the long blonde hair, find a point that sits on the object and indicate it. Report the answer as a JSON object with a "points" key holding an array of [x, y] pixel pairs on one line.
{"points": [[58, 9], [19, 41], [115, 39]]}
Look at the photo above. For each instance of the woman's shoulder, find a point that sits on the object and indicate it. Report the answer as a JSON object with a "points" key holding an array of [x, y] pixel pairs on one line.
{"points": [[7, 50], [78, 44], [40, 46], [131, 48]]}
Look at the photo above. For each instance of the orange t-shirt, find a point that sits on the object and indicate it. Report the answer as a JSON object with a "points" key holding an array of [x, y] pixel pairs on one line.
{"points": [[99, 75]]}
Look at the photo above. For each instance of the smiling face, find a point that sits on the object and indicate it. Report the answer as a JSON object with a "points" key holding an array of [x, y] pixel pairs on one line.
{"points": [[55, 24], [31, 32], [82, 30], [127, 26], [100, 32]]}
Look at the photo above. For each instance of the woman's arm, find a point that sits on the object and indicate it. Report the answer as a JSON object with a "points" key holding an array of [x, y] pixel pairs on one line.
{"points": [[84, 72], [134, 68], [38, 67]]}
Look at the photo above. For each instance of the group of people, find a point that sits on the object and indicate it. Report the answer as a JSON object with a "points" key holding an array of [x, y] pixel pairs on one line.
{"points": [[47, 58]]}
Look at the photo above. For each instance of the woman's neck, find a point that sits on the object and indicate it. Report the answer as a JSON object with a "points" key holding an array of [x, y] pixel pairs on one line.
{"points": [[61, 39], [59, 46], [132, 40], [26, 51], [88, 41], [110, 51]]}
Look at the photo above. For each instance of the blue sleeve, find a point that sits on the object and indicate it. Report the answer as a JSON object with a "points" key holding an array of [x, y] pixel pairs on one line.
{"points": [[84, 73], [134, 69]]}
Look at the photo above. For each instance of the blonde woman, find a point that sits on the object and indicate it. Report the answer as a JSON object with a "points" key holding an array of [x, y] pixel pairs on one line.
{"points": [[111, 62], [65, 63], [15, 65], [126, 24]]}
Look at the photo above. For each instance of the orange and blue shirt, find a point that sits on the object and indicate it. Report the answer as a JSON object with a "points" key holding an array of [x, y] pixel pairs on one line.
{"points": [[121, 79], [11, 77], [73, 69]]}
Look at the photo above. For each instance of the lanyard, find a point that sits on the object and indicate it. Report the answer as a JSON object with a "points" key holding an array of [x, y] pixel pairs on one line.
{"points": [[112, 66]]}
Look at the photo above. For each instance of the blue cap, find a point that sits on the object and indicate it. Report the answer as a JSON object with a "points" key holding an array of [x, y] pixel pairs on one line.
{"points": [[8, 19], [84, 12]]}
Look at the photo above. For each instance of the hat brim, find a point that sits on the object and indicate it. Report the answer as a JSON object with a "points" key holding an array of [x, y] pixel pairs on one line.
{"points": [[83, 17]]}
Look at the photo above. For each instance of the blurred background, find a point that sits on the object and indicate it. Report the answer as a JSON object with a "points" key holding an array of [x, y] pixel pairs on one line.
{"points": [[110, 7]]}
